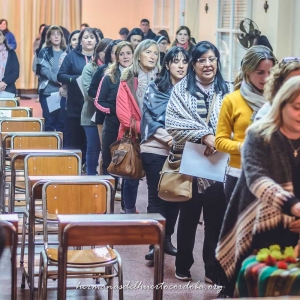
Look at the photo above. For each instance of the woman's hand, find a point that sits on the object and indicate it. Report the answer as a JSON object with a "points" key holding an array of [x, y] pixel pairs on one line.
{"points": [[209, 151], [209, 140], [295, 210], [3, 86], [170, 143], [295, 226]]}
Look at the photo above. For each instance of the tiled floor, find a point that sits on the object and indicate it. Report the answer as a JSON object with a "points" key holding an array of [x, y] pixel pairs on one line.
{"points": [[136, 270]]}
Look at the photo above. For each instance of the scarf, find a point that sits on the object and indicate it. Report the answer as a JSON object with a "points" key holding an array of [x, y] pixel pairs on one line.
{"points": [[154, 110], [253, 98], [143, 80], [121, 68], [184, 46], [3, 60], [99, 62], [201, 85]]}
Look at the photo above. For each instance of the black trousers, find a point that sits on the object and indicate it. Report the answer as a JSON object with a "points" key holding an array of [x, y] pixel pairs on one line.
{"points": [[153, 164], [229, 186], [213, 203], [74, 137]]}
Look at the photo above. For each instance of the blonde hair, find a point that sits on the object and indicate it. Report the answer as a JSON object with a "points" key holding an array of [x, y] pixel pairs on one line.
{"points": [[112, 69], [250, 62], [52, 28], [142, 46], [272, 121], [278, 75]]}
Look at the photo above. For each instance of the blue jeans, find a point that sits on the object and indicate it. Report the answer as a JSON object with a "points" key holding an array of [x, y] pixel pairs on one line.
{"points": [[129, 194], [54, 121], [93, 149]]}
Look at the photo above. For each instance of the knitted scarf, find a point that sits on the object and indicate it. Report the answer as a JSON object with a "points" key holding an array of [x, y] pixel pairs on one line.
{"points": [[184, 46], [3, 60], [253, 97], [143, 80]]}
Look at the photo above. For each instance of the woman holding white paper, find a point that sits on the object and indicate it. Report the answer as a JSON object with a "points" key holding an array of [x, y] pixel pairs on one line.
{"points": [[240, 107], [192, 115], [47, 70]]}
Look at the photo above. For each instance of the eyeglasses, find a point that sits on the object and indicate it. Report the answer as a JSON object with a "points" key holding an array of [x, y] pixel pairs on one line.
{"points": [[210, 60], [290, 59]]}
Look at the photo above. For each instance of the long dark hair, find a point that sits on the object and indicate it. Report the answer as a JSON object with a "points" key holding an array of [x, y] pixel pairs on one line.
{"points": [[198, 51], [43, 40], [5, 41], [163, 81], [135, 31], [107, 58], [6, 30], [89, 30], [102, 45], [69, 48]]}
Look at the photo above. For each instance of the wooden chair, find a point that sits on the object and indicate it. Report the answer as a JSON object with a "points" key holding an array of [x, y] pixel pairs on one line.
{"points": [[9, 102], [28, 141], [113, 230], [78, 197], [21, 125], [15, 112], [47, 164], [10, 224]]}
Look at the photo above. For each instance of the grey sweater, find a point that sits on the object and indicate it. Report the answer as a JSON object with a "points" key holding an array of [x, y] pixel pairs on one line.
{"points": [[88, 108]]}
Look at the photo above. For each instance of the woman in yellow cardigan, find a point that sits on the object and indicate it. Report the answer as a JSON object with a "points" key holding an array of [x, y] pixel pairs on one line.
{"points": [[240, 107]]}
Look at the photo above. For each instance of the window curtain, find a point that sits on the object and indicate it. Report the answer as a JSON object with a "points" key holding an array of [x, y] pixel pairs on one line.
{"points": [[24, 18]]}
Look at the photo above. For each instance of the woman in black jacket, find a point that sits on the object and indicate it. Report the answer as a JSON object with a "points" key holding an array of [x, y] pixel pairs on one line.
{"points": [[70, 70], [108, 59], [107, 99], [9, 66]]}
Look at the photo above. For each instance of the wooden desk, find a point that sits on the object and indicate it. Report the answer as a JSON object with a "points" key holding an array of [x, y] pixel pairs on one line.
{"points": [[128, 229]]}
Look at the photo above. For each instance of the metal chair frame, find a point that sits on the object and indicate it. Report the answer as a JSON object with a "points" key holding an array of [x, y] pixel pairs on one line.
{"points": [[44, 259], [17, 108]]}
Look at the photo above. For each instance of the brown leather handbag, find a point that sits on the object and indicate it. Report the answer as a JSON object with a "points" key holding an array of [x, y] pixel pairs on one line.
{"points": [[174, 186], [126, 159]]}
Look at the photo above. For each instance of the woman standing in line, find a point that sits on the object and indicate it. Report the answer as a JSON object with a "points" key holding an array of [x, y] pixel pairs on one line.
{"points": [[9, 66], [88, 110], [70, 70], [47, 70], [183, 39], [240, 107], [11, 40], [201, 91], [156, 142], [264, 209], [135, 36], [134, 82], [107, 100]]}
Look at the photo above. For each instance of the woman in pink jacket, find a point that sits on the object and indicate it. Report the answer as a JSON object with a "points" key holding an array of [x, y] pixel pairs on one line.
{"points": [[134, 82]]}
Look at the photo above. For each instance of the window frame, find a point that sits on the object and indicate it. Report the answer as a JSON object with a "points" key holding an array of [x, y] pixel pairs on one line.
{"points": [[231, 31]]}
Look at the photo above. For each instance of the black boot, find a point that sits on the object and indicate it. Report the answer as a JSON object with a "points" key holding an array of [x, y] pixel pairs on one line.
{"points": [[169, 248], [150, 255]]}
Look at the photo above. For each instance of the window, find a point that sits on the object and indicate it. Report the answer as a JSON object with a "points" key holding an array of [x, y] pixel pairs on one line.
{"points": [[230, 13], [163, 16]]}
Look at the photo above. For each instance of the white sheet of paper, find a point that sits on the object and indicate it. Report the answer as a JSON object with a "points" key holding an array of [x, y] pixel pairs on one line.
{"points": [[93, 119], [53, 102], [4, 94], [79, 82], [5, 113], [196, 164]]}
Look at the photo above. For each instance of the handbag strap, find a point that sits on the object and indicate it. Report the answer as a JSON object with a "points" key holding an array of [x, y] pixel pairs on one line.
{"points": [[211, 108], [99, 88]]}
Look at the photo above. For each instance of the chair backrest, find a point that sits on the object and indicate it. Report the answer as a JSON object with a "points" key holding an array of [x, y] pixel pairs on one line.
{"points": [[15, 112], [21, 125], [51, 163], [80, 196], [36, 140], [9, 102]]}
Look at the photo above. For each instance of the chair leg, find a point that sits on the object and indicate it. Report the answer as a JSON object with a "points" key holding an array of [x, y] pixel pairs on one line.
{"points": [[109, 271], [44, 261], [41, 273], [23, 239], [120, 278]]}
